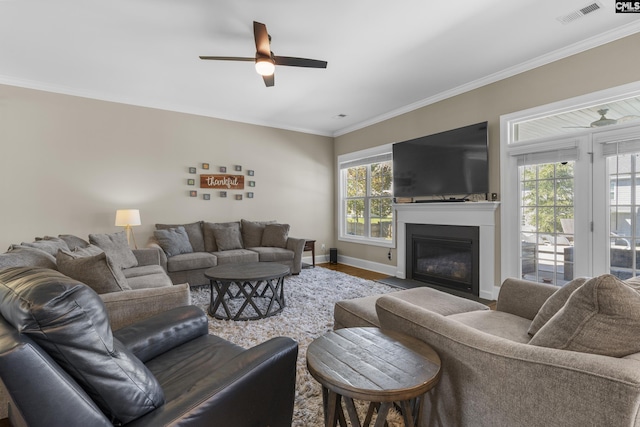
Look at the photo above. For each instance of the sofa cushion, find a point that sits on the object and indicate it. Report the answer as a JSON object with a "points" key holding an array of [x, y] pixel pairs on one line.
{"points": [[25, 256], [356, 312], [209, 239], [554, 303], [173, 241], [252, 232], [236, 255], [116, 247], [274, 254], [600, 317], [50, 245], [69, 321], [192, 261], [142, 270], [159, 279], [194, 231], [227, 238], [275, 235], [362, 311], [74, 241], [497, 323], [96, 271]]}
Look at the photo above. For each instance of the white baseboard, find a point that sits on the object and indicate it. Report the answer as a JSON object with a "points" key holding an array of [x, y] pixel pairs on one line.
{"points": [[368, 265]]}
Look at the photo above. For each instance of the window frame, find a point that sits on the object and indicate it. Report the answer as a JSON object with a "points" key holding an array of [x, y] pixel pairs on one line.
{"points": [[363, 157]]}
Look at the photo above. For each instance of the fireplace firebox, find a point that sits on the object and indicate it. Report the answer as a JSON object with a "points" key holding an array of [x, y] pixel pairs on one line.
{"points": [[444, 255]]}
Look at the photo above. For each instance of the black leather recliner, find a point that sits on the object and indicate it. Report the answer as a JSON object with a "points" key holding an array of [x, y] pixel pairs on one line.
{"points": [[63, 366]]}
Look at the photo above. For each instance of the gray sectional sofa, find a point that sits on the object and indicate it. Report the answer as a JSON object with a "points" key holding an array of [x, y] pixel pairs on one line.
{"points": [[188, 250], [546, 356], [131, 283]]}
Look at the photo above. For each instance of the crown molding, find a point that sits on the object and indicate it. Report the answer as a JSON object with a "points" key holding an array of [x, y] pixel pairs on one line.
{"points": [[584, 45]]}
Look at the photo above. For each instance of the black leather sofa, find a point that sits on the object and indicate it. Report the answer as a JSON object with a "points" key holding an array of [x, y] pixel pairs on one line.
{"points": [[63, 366]]}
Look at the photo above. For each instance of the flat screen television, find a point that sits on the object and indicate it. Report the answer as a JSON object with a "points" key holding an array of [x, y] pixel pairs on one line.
{"points": [[450, 163]]}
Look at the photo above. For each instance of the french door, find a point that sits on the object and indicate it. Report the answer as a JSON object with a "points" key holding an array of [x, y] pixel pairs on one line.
{"points": [[575, 207]]}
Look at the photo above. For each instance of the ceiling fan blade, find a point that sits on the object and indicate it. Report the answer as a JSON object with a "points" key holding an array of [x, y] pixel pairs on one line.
{"points": [[299, 62], [228, 58], [269, 80], [262, 39]]}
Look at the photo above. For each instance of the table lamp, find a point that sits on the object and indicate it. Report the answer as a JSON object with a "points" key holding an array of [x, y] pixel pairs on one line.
{"points": [[127, 218]]}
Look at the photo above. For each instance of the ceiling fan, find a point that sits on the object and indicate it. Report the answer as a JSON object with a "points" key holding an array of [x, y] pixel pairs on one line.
{"points": [[265, 60], [604, 121]]}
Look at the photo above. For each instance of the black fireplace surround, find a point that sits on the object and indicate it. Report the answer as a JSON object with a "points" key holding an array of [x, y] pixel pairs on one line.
{"points": [[444, 255]]}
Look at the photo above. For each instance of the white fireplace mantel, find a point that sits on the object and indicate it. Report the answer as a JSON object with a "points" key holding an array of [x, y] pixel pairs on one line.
{"points": [[480, 214]]}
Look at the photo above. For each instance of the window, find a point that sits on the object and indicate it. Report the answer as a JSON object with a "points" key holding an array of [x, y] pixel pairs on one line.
{"points": [[571, 204], [366, 209]]}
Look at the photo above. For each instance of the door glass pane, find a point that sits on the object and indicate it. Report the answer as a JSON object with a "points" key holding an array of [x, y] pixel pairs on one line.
{"points": [[546, 207], [624, 181]]}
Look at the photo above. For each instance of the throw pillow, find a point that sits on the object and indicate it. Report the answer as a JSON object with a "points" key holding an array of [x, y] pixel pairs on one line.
{"points": [[89, 250], [252, 232], [275, 235], [227, 238], [194, 231], [116, 247], [25, 256], [600, 317], [210, 244], [173, 241], [96, 271], [73, 241], [554, 303], [50, 245], [69, 321]]}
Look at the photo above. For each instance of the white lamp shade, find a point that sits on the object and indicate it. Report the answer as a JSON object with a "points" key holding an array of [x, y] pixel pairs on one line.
{"points": [[125, 217]]}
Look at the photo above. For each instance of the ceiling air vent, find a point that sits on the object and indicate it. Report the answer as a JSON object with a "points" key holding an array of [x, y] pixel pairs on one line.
{"points": [[570, 17]]}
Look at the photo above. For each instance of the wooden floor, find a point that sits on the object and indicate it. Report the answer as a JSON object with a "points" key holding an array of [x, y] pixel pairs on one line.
{"points": [[354, 271], [371, 275]]}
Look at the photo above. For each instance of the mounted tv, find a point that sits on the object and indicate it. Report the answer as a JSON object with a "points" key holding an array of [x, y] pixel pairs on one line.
{"points": [[451, 163]]}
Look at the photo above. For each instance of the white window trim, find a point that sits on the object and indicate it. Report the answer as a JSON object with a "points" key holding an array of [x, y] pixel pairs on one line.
{"points": [[351, 157]]}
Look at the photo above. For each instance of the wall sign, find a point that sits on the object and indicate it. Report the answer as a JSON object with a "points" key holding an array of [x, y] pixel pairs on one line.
{"points": [[229, 182]]}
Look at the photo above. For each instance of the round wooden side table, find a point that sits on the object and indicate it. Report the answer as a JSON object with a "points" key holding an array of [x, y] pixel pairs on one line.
{"points": [[381, 367]]}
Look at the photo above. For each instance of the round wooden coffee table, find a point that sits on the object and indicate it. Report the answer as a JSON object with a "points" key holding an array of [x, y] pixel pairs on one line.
{"points": [[246, 291], [368, 364]]}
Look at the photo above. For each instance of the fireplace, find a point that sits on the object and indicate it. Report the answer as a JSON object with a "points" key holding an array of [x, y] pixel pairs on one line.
{"points": [[444, 255], [472, 214]]}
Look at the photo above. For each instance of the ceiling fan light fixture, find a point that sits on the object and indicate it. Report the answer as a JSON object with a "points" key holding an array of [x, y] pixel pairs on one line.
{"points": [[265, 66]]}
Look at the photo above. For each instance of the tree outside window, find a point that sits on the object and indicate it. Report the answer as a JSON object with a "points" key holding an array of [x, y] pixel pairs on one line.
{"points": [[368, 201]]}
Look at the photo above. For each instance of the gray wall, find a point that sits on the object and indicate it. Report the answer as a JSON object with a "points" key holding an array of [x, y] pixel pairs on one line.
{"points": [[67, 163], [600, 68]]}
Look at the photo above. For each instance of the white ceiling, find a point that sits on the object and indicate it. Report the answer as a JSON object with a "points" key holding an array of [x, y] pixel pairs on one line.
{"points": [[384, 57]]}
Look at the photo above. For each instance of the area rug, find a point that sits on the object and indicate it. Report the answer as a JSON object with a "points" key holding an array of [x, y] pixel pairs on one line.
{"points": [[308, 313]]}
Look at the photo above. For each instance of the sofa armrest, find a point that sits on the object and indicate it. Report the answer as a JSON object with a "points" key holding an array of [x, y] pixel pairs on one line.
{"points": [[147, 256], [36, 393], [161, 253], [127, 307], [255, 388], [488, 380], [523, 297], [297, 246], [155, 335]]}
